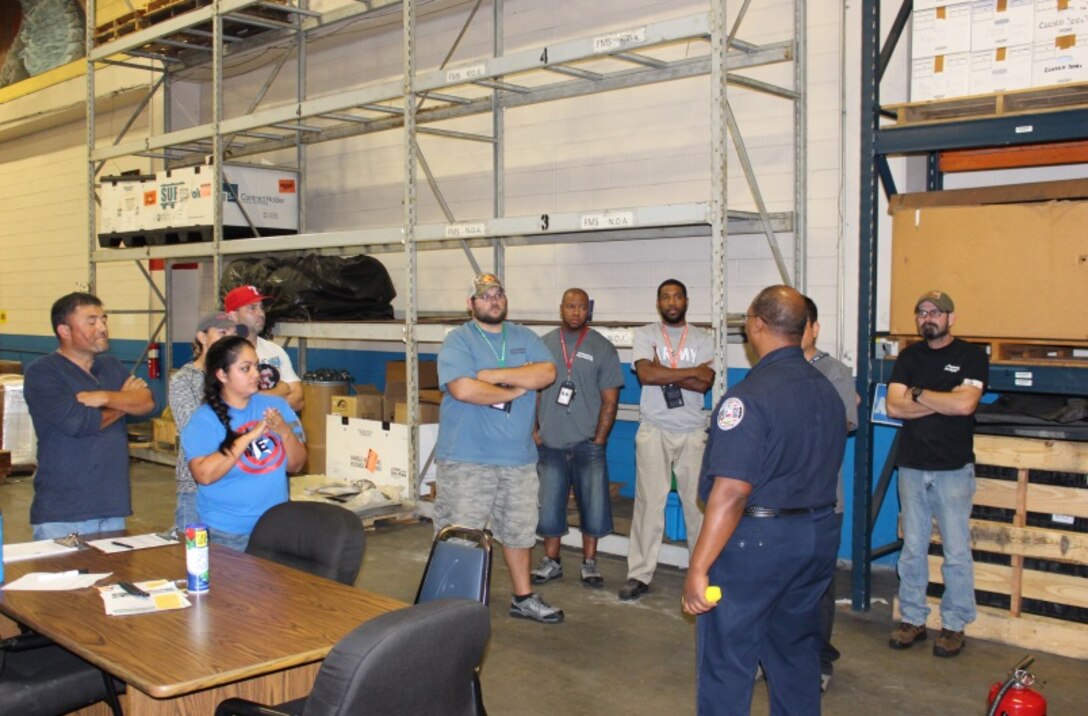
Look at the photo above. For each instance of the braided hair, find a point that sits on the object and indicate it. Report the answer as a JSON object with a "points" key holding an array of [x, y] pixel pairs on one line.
{"points": [[221, 356]]}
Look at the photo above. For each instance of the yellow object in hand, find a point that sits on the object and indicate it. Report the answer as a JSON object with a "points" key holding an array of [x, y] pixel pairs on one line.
{"points": [[713, 593]]}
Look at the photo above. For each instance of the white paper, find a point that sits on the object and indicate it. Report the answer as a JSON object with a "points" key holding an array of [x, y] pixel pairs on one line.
{"points": [[165, 596], [54, 581], [30, 550], [129, 543]]}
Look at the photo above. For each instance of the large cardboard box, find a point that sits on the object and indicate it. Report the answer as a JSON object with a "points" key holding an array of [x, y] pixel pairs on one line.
{"points": [[1001, 69], [1001, 23], [940, 77], [1013, 258], [1059, 17], [942, 30], [366, 403], [1061, 60], [396, 386], [128, 204], [269, 196], [378, 452]]}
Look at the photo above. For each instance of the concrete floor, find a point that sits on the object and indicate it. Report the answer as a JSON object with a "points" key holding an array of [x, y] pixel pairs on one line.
{"points": [[638, 658]]}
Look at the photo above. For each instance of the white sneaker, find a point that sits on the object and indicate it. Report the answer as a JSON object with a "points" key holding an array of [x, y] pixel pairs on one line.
{"points": [[536, 609], [548, 570]]}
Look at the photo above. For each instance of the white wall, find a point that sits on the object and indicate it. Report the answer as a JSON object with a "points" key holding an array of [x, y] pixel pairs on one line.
{"points": [[640, 146]]}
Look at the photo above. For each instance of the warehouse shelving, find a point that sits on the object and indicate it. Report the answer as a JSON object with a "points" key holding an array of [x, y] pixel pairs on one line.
{"points": [[879, 141], [604, 61]]}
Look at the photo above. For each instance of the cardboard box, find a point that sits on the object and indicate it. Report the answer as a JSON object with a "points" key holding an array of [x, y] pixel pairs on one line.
{"points": [[1001, 23], [366, 403], [269, 196], [428, 412], [378, 452], [11, 367], [397, 393], [1001, 70], [943, 30], [1061, 60], [1054, 18], [940, 77], [1011, 257], [16, 429], [128, 204], [396, 371]]}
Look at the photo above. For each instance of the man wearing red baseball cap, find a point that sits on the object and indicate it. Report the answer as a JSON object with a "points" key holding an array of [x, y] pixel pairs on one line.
{"points": [[244, 306]]}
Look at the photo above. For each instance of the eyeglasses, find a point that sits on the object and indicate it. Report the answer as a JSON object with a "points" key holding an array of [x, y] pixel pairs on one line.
{"points": [[933, 313], [492, 297]]}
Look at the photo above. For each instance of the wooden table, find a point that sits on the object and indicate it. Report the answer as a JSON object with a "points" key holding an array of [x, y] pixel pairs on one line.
{"points": [[260, 632]]}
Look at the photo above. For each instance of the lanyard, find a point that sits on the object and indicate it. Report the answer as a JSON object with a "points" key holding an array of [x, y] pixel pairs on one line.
{"points": [[674, 356], [563, 344], [500, 358]]}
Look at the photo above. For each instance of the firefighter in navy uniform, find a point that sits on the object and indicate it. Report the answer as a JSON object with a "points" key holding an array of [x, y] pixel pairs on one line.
{"points": [[769, 536]]}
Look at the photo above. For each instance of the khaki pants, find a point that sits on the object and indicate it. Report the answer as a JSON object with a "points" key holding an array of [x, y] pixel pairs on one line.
{"points": [[658, 455]]}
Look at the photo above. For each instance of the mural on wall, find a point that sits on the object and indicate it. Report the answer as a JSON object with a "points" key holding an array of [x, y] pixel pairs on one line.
{"points": [[38, 35]]}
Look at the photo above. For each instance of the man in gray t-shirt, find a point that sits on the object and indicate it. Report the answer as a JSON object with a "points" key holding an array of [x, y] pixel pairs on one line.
{"points": [[673, 362], [575, 414]]}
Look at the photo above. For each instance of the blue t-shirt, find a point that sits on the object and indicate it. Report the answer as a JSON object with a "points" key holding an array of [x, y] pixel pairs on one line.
{"points": [[782, 429], [82, 469], [480, 433], [258, 481]]}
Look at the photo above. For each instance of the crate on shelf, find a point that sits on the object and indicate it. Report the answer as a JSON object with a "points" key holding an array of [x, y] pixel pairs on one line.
{"points": [[1032, 546], [995, 104], [1017, 351]]}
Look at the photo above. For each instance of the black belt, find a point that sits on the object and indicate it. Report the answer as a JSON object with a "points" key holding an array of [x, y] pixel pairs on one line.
{"points": [[755, 511]]}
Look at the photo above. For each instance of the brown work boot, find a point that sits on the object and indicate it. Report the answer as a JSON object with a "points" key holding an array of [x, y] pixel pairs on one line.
{"points": [[949, 643], [906, 634]]}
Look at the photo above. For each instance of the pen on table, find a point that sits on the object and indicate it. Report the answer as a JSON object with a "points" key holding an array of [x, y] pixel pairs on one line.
{"points": [[121, 544], [48, 576]]}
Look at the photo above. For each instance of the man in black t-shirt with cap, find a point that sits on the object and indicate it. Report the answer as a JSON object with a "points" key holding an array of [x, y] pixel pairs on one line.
{"points": [[934, 389]]}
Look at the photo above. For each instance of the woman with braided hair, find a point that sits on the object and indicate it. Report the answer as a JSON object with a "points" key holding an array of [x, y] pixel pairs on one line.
{"points": [[246, 443]]}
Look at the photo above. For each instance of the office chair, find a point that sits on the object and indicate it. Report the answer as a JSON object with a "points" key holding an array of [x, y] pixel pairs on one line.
{"points": [[316, 537], [39, 678], [416, 661], [459, 566]]}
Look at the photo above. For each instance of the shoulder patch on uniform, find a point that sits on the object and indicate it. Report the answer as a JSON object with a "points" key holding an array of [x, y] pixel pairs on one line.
{"points": [[730, 414]]}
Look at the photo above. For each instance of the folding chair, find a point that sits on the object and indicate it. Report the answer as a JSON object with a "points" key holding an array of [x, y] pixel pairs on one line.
{"points": [[459, 567]]}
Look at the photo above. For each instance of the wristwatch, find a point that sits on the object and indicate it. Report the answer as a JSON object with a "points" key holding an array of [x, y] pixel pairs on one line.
{"points": [[915, 393]]}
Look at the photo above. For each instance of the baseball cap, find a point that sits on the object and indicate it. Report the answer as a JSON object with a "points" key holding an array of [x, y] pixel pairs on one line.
{"points": [[940, 299], [242, 296], [222, 321], [483, 283]]}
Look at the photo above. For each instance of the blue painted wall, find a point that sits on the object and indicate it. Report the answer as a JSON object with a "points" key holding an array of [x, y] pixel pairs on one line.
{"points": [[369, 367]]}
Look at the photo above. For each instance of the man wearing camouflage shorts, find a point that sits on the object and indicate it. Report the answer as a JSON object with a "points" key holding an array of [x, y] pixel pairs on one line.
{"points": [[490, 370]]}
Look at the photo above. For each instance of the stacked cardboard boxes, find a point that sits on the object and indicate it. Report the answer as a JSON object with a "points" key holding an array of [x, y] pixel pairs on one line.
{"points": [[969, 47]]}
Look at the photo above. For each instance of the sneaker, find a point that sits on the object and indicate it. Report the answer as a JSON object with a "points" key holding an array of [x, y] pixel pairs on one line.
{"points": [[535, 608], [949, 643], [548, 570], [825, 681], [633, 590], [591, 576], [906, 634]]}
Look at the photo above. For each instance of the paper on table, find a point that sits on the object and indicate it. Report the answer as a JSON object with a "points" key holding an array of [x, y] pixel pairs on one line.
{"points": [[130, 542], [165, 596], [30, 550], [54, 581]]}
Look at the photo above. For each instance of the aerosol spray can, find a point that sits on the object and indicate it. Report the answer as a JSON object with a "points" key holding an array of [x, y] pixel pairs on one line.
{"points": [[196, 558]]}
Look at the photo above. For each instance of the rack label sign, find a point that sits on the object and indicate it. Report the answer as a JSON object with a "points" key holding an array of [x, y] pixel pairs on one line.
{"points": [[465, 231], [615, 220], [466, 74], [619, 40]]}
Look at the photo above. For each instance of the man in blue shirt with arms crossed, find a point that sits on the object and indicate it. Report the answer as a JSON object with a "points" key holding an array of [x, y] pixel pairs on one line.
{"points": [[490, 370]]}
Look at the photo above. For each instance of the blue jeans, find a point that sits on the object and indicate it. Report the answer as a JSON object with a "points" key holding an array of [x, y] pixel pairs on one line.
{"points": [[233, 540], [185, 512], [945, 495], [584, 466], [53, 530]]}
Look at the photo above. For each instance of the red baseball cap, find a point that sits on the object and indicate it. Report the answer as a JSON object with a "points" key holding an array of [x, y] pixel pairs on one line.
{"points": [[242, 296]]}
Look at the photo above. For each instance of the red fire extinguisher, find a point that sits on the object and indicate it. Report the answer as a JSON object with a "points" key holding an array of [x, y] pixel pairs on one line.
{"points": [[1015, 697], [154, 369]]}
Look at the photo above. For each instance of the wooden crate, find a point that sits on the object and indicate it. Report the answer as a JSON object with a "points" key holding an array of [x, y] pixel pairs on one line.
{"points": [[164, 435], [1019, 351], [1020, 541]]}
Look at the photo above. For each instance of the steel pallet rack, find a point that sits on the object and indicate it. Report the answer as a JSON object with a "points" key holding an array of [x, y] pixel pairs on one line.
{"points": [[419, 99], [878, 142]]}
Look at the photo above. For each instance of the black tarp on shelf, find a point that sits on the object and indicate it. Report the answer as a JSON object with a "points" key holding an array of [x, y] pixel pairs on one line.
{"points": [[1049, 417]]}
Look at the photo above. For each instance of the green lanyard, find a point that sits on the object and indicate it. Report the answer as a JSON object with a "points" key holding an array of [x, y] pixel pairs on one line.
{"points": [[500, 358]]}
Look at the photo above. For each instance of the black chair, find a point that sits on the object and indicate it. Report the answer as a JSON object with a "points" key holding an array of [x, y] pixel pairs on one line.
{"points": [[459, 567], [417, 661], [39, 678], [316, 537]]}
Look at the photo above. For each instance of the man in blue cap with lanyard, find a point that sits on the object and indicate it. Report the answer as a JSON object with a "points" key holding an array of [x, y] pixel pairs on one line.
{"points": [[490, 370], [769, 533]]}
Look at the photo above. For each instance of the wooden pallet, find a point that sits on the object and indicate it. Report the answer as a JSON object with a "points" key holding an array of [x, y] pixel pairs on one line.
{"points": [[156, 11], [1022, 351], [1019, 541], [998, 104]]}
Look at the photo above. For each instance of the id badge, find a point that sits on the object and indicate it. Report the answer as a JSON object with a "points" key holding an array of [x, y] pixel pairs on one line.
{"points": [[504, 407], [566, 393], [674, 398]]}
